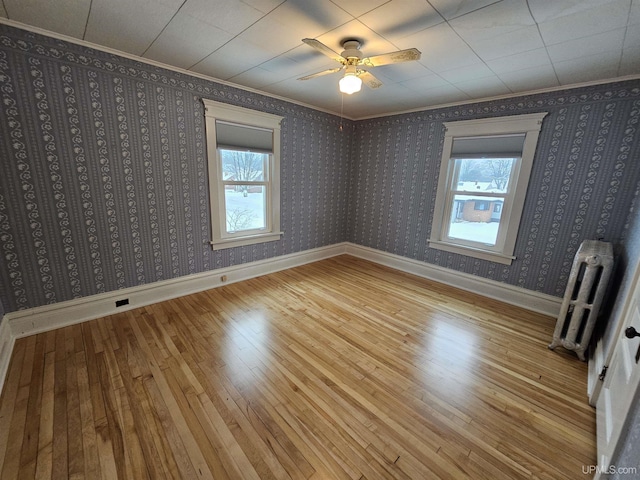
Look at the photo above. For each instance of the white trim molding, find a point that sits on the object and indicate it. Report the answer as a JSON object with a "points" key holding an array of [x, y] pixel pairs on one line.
{"points": [[48, 317], [7, 341], [31, 321], [520, 297]]}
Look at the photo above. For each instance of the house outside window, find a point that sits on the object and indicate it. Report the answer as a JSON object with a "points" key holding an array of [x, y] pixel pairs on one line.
{"points": [[243, 150], [482, 185]]}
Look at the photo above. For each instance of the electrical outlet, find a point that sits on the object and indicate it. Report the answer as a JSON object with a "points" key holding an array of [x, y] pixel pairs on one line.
{"points": [[223, 278], [122, 303]]}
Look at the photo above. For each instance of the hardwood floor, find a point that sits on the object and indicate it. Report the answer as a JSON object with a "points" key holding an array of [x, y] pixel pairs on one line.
{"points": [[341, 369]]}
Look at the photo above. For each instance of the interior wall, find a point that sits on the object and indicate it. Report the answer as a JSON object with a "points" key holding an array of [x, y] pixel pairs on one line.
{"points": [[585, 176], [103, 178]]}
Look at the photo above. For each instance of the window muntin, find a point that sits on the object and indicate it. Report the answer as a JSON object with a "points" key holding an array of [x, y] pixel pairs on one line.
{"points": [[243, 152], [484, 174]]}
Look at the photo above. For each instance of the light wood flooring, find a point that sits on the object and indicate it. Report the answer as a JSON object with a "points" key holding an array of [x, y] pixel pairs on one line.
{"points": [[341, 369]]}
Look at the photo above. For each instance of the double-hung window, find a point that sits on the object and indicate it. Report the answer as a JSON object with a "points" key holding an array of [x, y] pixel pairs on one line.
{"points": [[243, 149], [483, 181]]}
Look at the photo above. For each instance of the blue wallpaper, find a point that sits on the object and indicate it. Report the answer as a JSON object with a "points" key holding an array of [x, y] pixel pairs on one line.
{"points": [[585, 176], [103, 178], [103, 181]]}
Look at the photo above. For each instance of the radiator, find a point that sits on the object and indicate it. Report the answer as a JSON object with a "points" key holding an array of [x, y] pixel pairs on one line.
{"points": [[588, 281]]}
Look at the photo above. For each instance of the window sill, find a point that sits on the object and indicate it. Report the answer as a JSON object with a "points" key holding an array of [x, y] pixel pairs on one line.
{"points": [[223, 243], [472, 252]]}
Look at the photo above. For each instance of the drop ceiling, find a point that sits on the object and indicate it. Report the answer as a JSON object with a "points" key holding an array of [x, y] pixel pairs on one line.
{"points": [[470, 49]]}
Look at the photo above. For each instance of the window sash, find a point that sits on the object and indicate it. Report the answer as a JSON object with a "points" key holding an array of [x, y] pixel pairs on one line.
{"points": [[265, 128], [507, 196], [514, 128]]}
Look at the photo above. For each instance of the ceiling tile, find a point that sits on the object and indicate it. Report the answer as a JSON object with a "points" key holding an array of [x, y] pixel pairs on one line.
{"points": [[286, 26], [464, 74], [398, 18], [67, 17], [630, 63], [586, 69], [228, 15], [128, 26], [370, 42], [533, 78], [600, 43], [483, 87], [484, 48], [455, 8], [442, 49], [517, 41], [232, 58], [258, 77], [632, 37], [425, 83], [265, 6], [401, 72], [520, 61], [359, 7], [493, 21], [544, 10], [186, 41], [634, 12], [440, 95], [585, 23]]}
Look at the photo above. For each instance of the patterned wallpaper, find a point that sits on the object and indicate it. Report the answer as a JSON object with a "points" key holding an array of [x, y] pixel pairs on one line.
{"points": [[103, 180], [584, 178]]}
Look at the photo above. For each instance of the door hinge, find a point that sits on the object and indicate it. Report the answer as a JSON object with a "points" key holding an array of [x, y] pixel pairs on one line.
{"points": [[603, 373]]}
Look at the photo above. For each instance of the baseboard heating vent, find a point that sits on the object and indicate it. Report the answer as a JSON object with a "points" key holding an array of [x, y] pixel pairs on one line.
{"points": [[588, 281]]}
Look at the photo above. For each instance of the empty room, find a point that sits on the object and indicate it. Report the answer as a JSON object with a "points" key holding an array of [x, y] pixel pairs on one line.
{"points": [[329, 239]]}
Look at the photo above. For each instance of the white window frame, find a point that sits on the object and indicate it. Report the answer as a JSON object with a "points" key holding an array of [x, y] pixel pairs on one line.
{"points": [[220, 238], [502, 252]]}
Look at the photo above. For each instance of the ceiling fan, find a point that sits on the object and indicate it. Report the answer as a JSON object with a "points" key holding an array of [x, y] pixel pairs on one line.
{"points": [[351, 60]]}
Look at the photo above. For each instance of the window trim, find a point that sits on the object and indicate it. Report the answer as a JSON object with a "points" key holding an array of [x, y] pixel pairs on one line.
{"points": [[530, 125], [220, 238]]}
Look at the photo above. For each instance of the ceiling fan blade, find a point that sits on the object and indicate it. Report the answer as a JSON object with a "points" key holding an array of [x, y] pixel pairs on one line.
{"points": [[319, 74], [322, 48], [394, 57], [369, 80]]}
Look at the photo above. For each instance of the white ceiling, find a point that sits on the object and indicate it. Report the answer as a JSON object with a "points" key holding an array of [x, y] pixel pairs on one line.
{"points": [[471, 49]]}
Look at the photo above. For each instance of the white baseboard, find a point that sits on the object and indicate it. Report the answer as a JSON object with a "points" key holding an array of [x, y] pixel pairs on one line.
{"points": [[49, 317], [6, 348], [528, 299]]}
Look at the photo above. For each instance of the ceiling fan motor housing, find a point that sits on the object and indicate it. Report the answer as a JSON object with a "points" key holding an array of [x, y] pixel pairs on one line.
{"points": [[351, 51]]}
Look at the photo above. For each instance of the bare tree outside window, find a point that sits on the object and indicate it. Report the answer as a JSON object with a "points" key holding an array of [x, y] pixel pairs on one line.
{"points": [[243, 166], [499, 169], [239, 219]]}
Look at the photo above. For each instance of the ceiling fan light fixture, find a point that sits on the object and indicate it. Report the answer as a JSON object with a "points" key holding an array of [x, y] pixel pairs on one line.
{"points": [[350, 83]]}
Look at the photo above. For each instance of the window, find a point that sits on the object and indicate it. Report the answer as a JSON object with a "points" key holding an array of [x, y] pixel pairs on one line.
{"points": [[483, 181], [243, 149]]}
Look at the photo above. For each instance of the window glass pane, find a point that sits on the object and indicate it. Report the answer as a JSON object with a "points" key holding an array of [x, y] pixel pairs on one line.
{"points": [[489, 175], [238, 166], [475, 219], [245, 207]]}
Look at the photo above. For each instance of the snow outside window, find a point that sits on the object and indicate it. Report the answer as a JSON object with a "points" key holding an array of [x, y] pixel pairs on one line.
{"points": [[243, 149], [482, 186]]}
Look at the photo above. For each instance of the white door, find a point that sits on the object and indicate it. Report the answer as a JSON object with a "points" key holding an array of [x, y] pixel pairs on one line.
{"points": [[621, 381]]}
